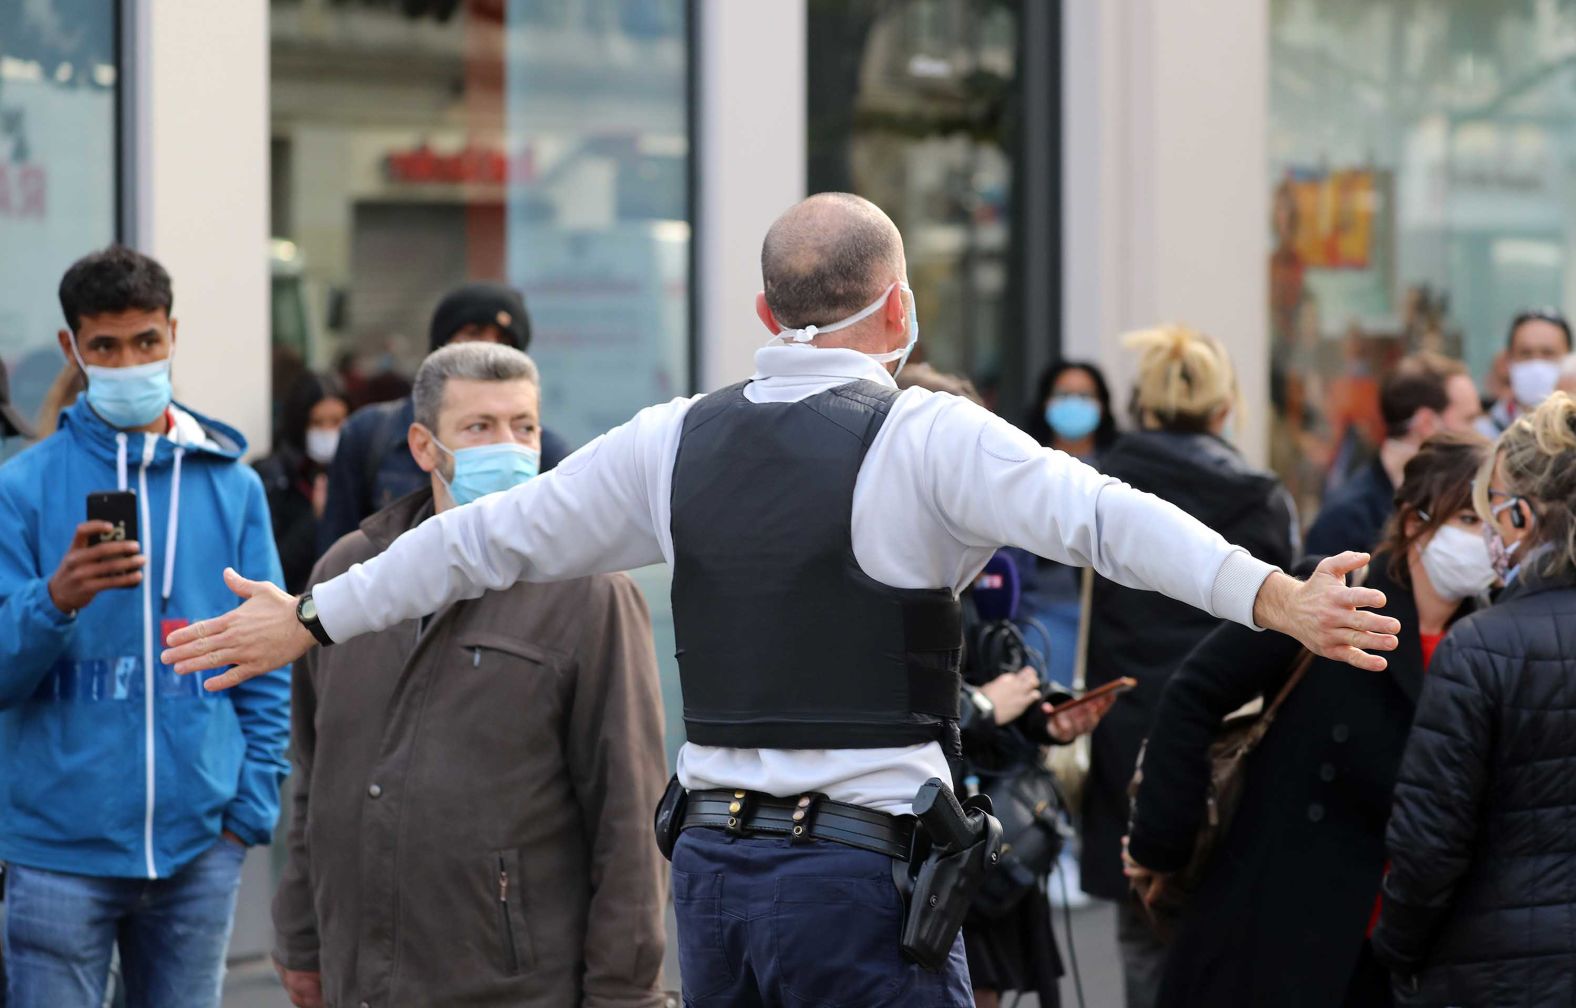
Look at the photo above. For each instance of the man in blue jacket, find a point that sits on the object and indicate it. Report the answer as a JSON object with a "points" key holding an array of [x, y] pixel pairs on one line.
{"points": [[130, 793]]}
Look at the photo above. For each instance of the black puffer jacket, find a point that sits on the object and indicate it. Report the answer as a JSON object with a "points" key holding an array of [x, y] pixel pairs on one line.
{"points": [[1480, 902], [1145, 634]]}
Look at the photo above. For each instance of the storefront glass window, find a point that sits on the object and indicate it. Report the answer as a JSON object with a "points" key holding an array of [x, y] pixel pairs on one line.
{"points": [[58, 130], [1422, 162]]}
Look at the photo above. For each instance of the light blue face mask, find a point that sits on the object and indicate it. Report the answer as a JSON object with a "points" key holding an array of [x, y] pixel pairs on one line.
{"points": [[489, 468], [1072, 416], [128, 397], [809, 333]]}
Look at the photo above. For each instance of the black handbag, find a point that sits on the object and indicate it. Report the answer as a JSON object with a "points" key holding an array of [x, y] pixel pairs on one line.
{"points": [[1028, 804]]}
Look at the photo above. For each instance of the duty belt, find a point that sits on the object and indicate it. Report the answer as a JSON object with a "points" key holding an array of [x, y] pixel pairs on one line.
{"points": [[801, 819]]}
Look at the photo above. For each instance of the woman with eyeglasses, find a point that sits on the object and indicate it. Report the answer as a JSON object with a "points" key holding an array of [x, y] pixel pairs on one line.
{"points": [[1286, 900], [1480, 900]]}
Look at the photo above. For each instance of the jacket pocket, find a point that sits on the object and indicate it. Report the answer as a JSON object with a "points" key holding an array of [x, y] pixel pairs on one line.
{"points": [[513, 936], [477, 643]]}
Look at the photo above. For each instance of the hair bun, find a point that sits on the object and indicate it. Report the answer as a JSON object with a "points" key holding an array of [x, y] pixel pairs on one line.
{"points": [[1184, 376], [1554, 424]]}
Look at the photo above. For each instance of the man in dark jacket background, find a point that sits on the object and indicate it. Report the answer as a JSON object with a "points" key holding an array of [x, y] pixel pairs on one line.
{"points": [[473, 791], [1426, 394], [372, 467]]}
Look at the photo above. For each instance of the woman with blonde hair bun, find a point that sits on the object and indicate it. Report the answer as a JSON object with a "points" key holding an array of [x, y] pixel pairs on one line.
{"points": [[1480, 901], [1185, 380], [1183, 398]]}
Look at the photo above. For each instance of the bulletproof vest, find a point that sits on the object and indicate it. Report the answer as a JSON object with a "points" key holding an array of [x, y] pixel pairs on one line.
{"points": [[783, 642]]}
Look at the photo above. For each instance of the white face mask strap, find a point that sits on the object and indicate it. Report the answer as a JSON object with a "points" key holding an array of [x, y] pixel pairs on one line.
{"points": [[810, 332], [900, 352]]}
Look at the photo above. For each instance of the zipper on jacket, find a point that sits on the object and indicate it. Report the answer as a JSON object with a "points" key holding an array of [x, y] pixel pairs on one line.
{"points": [[511, 956], [150, 441]]}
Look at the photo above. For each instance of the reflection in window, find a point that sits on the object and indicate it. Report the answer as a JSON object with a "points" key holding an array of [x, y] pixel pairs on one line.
{"points": [[57, 173], [912, 106]]}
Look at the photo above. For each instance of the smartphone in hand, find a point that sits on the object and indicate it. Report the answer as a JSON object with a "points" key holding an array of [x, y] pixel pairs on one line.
{"points": [[1115, 686], [119, 508]]}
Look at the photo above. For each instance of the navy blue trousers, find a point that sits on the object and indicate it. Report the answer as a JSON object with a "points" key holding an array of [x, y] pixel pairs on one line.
{"points": [[766, 923]]}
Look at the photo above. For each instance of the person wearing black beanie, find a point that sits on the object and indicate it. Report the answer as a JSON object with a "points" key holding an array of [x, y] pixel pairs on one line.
{"points": [[373, 466], [483, 310]]}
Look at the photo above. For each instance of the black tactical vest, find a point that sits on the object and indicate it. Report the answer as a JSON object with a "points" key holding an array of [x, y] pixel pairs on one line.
{"points": [[783, 642]]}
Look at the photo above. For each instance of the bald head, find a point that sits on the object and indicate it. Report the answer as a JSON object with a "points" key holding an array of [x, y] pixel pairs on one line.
{"points": [[827, 257]]}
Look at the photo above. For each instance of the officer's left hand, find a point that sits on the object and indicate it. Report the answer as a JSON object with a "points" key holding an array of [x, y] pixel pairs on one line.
{"points": [[1327, 615], [1081, 720]]}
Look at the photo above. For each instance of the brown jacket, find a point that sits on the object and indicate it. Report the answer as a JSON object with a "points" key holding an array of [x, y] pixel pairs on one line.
{"points": [[472, 805]]}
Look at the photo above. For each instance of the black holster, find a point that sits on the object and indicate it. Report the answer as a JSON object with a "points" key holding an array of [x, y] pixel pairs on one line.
{"points": [[669, 821], [942, 876]]}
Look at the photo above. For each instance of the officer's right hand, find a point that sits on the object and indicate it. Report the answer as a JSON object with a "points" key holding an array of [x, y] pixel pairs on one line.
{"points": [[304, 987], [90, 567]]}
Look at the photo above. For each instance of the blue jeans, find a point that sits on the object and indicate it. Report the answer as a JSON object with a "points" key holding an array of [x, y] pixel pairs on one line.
{"points": [[61, 930], [762, 922]]}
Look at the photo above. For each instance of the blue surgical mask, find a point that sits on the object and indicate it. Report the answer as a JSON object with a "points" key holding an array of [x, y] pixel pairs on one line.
{"points": [[489, 468], [1072, 417], [128, 397], [809, 333]]}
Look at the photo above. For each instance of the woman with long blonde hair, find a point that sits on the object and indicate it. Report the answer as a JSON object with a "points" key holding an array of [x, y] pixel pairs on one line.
{"points": [[1480, 900], [1184, 398]]}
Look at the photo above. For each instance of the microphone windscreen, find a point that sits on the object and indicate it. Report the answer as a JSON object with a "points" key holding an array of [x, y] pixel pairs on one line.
{"points": [[997, 589]]}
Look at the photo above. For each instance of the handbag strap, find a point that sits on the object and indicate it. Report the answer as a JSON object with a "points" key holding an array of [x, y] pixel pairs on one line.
{"points": [[1262, 725], [1304, 659]]}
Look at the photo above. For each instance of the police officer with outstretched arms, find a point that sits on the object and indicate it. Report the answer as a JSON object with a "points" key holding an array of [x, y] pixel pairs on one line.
{"points": [[820, 525]]}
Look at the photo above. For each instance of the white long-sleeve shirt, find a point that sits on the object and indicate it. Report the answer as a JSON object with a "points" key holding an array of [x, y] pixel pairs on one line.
{"points": [[943, 486]]}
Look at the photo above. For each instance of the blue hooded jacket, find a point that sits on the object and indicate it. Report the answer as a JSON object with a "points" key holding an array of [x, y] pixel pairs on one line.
{"points": [[113, 764]]}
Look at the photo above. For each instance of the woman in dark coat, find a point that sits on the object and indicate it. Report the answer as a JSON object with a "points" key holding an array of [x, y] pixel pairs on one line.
{"points": [[1183, 399], [1480, 901], [295, 475], [1282, 913]]}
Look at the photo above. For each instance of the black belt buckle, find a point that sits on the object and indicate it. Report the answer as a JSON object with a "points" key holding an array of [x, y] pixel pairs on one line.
{"points": [[670, 817], [804, 818], [739, 810]]}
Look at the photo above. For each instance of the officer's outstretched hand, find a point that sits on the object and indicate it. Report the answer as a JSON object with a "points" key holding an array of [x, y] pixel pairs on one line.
{"points": [[261, 635], [1327, 615]]}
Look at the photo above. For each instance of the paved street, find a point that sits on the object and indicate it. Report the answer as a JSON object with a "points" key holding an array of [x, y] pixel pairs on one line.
{"points": [[252, 985]]}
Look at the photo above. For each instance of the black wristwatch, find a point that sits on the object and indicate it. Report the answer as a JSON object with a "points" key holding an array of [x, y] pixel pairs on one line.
{"points": [[306, 612]]}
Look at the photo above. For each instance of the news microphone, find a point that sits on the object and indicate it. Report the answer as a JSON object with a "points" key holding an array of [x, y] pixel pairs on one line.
{"points": [[997, 589]]}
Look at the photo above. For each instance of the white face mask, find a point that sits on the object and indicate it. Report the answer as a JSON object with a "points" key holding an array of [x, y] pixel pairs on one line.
{"points": [[809, 333], [321, 443], [1457, 563], [1532, 381]]}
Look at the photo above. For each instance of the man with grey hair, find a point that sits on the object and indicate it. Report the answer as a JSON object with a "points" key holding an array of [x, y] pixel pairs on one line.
{"points": [[820, 525], [473, 789]]}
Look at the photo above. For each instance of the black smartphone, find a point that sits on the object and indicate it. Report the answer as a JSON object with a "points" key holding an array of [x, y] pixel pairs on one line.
{"points": [[119, 508]]}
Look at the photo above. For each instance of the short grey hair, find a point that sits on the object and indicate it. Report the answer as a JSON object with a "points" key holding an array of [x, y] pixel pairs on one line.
{"points": [[472, 361], [827, 257]]}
